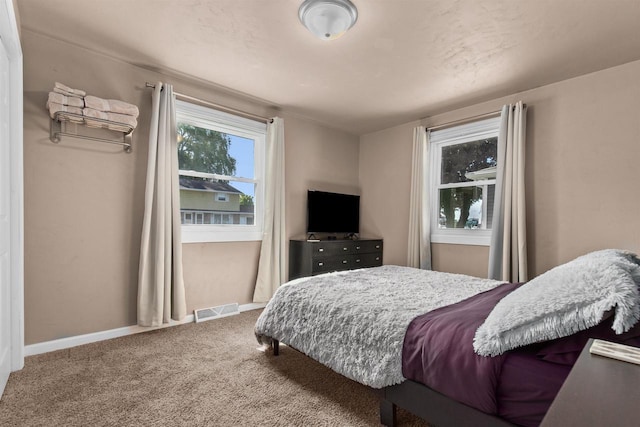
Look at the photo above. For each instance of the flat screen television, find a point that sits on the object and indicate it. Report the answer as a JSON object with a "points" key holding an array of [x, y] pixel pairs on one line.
{"points": [[332, 212]]}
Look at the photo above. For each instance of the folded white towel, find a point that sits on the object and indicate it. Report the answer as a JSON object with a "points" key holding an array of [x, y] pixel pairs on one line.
{"points": [[64, 89], [59, 98], [65, 93], [123, 122], [55, 107], [111, 105]]}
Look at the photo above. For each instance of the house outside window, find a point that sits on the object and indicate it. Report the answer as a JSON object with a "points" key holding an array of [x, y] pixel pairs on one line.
{"points": [[221, 162], [463, 163]]}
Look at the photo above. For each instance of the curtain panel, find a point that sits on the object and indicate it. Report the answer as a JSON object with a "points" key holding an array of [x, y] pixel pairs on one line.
{"points": [[271, 266], [419, 249], [508, 250], [161, 294]]}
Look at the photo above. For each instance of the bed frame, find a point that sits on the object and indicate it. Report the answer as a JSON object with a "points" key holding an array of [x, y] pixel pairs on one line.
{"points": [[438, 409]]}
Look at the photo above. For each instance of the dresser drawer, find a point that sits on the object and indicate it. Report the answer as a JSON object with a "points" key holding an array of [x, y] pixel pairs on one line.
{"points": [[324, 265], [368, 260], [367, 246], [346, 262], [330, 249], [346, 247]]}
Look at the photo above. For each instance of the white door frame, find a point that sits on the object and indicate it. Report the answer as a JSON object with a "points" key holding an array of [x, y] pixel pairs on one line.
{"points": [[10, 38]]}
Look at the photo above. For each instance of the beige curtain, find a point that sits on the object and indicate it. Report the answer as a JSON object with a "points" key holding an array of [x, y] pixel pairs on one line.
{"points": [[508, 251], [419, 250], [160, 282], [271, 266]]}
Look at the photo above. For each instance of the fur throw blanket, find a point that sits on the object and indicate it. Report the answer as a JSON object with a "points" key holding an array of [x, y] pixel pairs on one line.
{"points": [[354, 322], [566, 299]]}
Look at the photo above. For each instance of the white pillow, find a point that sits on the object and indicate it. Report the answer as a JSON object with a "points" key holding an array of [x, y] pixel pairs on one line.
{"points": [[564, 300]]}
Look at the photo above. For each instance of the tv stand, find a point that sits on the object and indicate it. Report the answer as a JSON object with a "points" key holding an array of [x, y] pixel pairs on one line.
{"points": [[308, 258]]}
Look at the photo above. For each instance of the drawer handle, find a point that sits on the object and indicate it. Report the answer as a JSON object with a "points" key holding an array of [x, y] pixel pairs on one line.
{"points": [[357, 260], [344, 261], [345, 249], [320, 264], [357, 248], [377, 246], [377, 258], [320, 250]]}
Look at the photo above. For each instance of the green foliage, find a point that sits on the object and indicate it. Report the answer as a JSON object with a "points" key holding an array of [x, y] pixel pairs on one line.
{"points": [[204, 150], [470, 157], [246, 200]]}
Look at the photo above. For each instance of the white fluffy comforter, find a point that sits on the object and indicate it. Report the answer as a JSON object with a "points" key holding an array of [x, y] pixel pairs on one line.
{"points": [[354, 322]]}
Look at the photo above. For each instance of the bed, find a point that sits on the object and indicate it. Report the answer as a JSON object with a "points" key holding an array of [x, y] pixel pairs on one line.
{"points": [[453, 349]]}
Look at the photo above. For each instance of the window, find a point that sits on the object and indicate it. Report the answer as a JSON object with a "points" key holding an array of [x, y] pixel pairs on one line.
{"points": [[463, 163], [221, 162]]}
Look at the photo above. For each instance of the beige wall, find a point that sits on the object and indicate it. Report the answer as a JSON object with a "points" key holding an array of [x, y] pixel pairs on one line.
{"points": [[84, 200], [316, 158], [582, 173], [385, 178]]}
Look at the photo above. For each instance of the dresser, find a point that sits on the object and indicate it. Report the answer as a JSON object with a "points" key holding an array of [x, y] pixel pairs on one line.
{"points": [[308, 258]]}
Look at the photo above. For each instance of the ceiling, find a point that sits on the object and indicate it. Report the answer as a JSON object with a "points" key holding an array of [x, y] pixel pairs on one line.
{"points": [[403, 60]]}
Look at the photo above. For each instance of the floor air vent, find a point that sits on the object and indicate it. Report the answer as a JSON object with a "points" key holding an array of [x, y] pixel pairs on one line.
{"points": [[211, 313]]}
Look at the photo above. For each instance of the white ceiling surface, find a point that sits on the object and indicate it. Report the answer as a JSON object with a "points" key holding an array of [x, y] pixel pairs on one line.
{"points": [[403, 60]]}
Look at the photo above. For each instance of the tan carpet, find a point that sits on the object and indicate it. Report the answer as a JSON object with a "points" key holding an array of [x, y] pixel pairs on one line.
{"points": [[207, 374]]}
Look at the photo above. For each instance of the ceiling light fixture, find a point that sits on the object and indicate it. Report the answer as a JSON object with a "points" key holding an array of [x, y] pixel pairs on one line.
{"points": [[328, 19]]}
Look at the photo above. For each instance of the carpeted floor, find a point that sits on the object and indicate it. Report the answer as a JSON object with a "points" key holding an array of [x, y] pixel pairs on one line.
{"points": [[206, 374]]}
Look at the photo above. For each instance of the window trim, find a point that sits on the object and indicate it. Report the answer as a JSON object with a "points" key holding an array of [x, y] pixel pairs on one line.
{"points": [[208, 118], [468, 132]]}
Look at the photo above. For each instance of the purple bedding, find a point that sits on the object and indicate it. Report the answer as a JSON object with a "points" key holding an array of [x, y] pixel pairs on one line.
{"points": [[527, 386], [517, 386], [438, 351]]}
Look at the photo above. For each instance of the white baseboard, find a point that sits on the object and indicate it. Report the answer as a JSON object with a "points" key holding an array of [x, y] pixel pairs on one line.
{"points": [[252, 306], [61, 344]]}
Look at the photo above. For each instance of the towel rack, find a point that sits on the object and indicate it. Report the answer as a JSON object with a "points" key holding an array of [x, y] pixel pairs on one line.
{"points": [[55, 129]]}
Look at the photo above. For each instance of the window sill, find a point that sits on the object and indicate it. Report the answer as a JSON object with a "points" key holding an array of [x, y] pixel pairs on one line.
{"points": [[470, 237], [204, 234]]}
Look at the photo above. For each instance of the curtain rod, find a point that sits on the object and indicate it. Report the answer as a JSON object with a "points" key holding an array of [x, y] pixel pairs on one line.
{"points": [[468, 119], [465, 120], [218, 106]]}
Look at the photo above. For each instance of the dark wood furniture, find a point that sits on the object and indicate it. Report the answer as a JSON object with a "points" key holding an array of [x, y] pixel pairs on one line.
{"points": [[599, 391], [308, 258], [436, 408]]}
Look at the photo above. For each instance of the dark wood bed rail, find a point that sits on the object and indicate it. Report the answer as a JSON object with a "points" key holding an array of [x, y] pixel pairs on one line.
{"points": [[438, 409]]}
